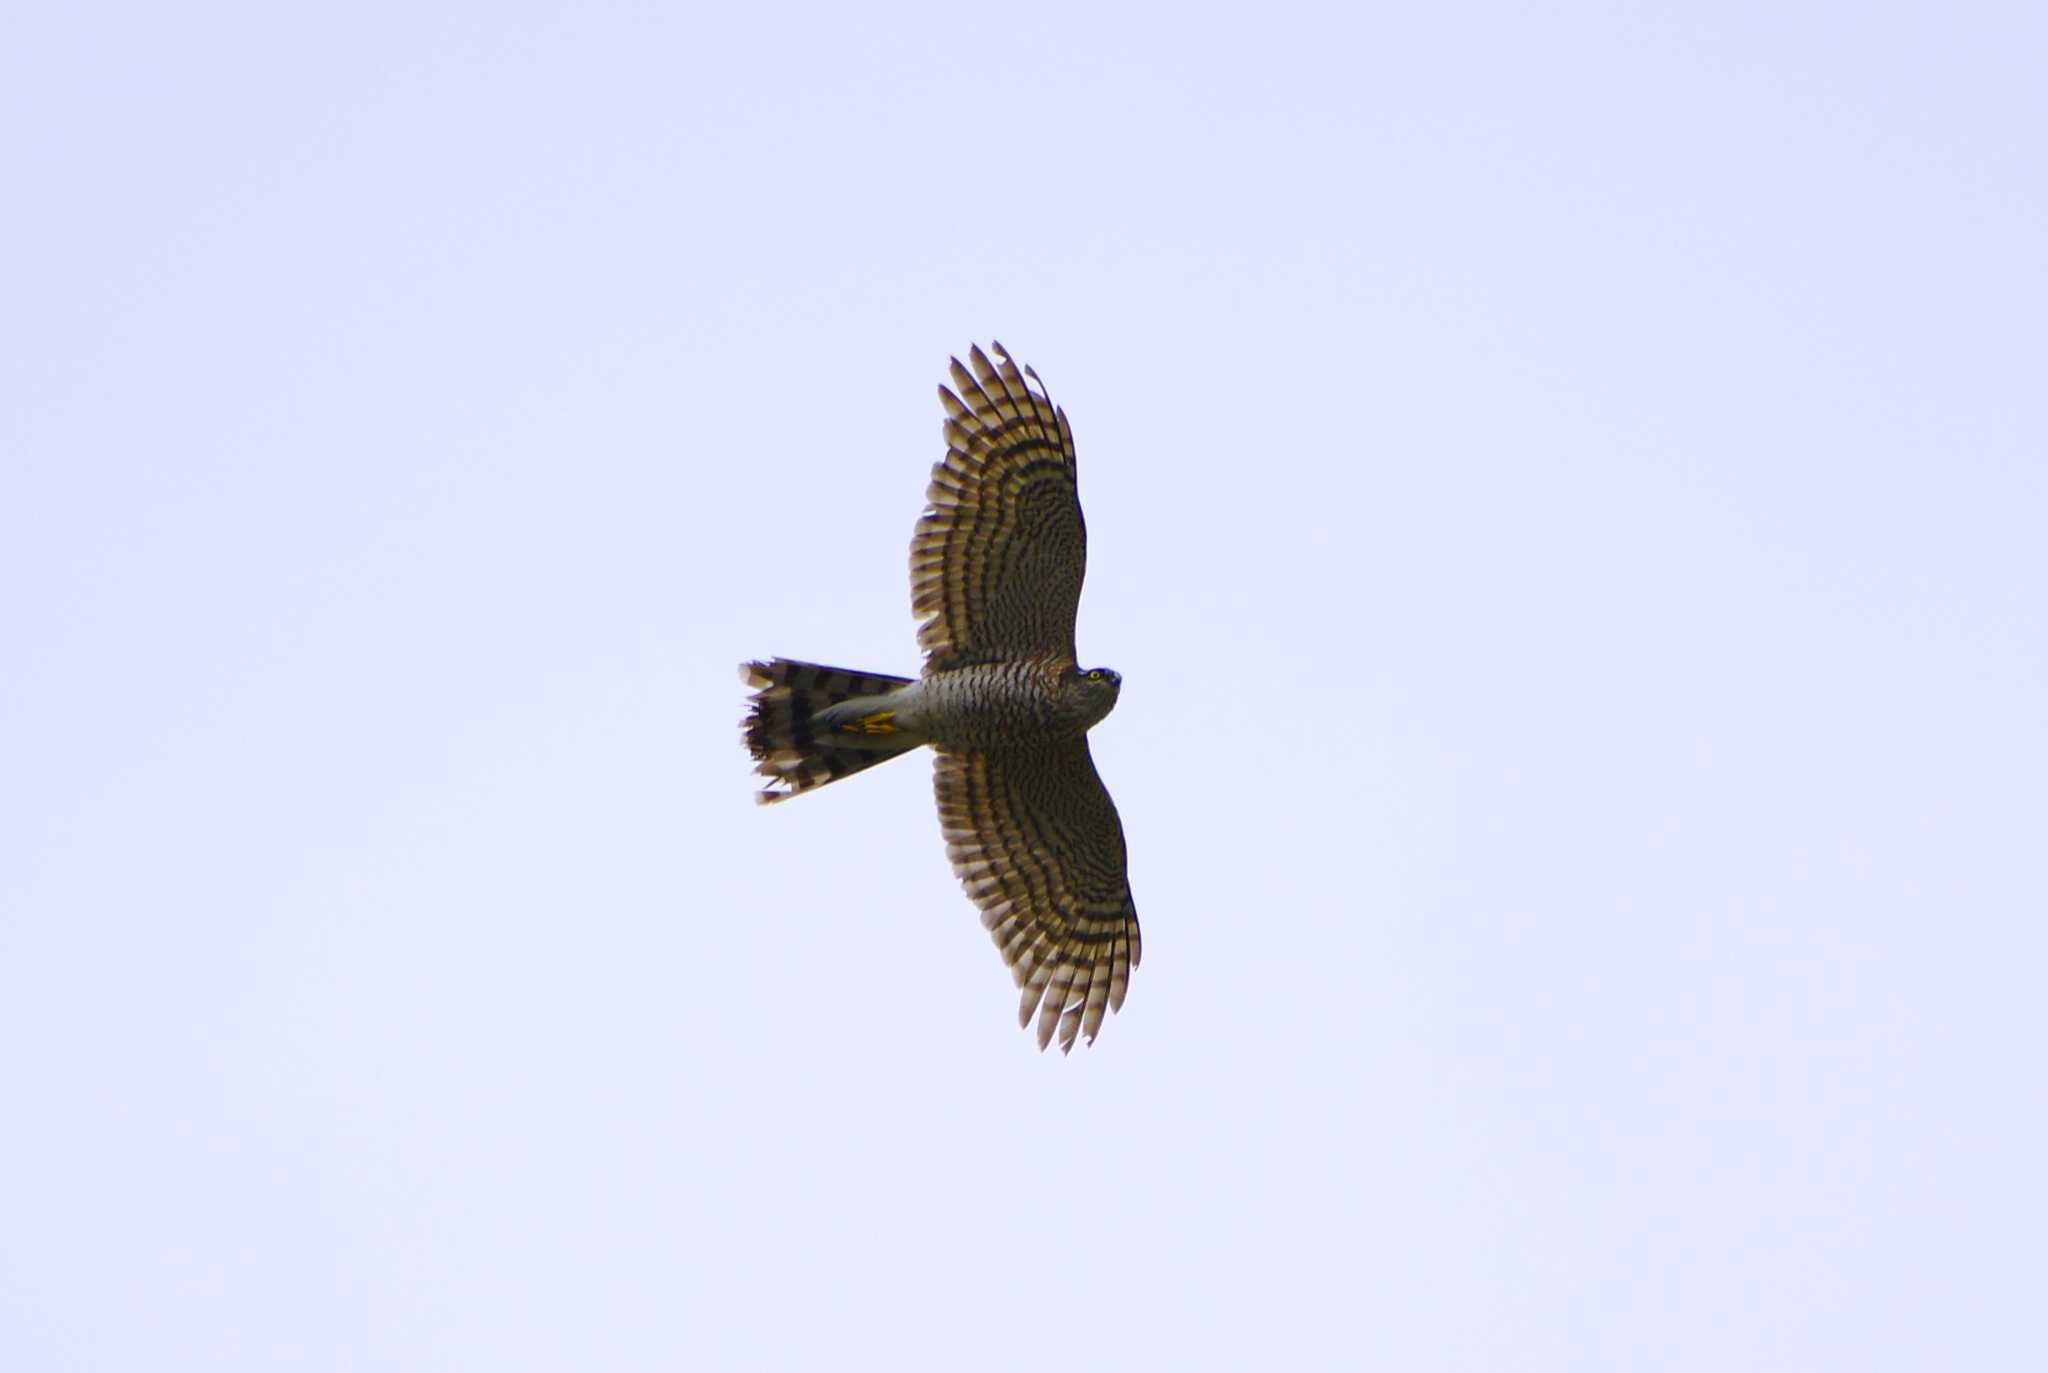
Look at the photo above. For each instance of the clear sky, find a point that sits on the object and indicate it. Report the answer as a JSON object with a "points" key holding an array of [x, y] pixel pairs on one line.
{"points": [[1567, 489]]}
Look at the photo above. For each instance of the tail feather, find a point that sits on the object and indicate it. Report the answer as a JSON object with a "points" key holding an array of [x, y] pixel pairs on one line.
{"points": [[787, 696]]}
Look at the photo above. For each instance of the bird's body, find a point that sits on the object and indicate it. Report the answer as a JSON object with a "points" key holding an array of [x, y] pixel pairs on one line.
{"points": [[996, 569], [988, 705]]}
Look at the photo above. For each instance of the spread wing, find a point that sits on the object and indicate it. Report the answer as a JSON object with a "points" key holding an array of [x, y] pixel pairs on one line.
{"points": [[997, 559], [1036, 841]]}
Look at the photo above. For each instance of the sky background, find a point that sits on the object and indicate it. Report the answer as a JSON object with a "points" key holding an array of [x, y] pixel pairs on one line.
{"points": [[1568, 489]]}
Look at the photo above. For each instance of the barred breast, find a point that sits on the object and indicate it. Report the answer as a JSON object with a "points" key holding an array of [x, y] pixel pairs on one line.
{"points": [[990, 705]]}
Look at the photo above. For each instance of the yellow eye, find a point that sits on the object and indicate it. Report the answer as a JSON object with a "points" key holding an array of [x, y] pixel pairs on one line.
{"points": [[1095, 674]]}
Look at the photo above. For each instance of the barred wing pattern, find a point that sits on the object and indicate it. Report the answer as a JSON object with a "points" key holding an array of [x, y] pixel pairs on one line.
{"points": [[1036, 840], [997, 559]]}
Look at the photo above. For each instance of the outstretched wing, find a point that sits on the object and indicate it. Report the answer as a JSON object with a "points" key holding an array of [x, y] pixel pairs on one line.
{"points": [[997, 559], [1036, 841]]}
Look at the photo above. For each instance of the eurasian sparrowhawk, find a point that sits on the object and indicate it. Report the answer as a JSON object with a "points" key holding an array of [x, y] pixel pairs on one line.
{"points": [[995, 574]]}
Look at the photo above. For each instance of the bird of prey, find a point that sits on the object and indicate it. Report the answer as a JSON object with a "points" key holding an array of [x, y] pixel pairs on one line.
{"points": [[995, 576]]}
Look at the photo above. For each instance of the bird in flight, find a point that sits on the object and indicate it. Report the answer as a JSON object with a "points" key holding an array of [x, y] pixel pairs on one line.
{"points": [[995, 577]]}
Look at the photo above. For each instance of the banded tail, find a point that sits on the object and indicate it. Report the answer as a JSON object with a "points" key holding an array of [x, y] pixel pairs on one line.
{"points": [[788, 699]]}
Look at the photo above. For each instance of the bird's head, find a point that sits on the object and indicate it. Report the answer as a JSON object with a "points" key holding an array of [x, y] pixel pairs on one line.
{"points": [[1094, 689]]}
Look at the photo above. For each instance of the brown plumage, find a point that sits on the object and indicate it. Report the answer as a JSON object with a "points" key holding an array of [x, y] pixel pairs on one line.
{"points": [[996, 566], [997, 561]]}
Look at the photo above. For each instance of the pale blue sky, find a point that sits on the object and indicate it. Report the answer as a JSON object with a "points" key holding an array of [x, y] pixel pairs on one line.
{"points": [[1567, 490]]}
